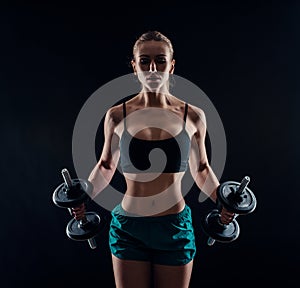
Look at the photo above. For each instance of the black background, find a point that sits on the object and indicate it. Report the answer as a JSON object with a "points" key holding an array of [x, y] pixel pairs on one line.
{"points": [[244, 56]]}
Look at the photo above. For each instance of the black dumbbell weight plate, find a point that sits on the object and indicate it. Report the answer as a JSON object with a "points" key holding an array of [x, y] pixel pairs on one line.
{"points": [[222, 233], [69, 198], [240, 204], [94, 225]]}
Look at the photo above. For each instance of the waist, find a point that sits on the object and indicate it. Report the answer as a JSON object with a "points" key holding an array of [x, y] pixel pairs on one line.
{"points": [[177, 210], [159, 196], [148, 184]]}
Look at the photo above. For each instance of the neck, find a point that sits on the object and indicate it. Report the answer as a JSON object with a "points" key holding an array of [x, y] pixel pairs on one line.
{"points": [[155, 98]]}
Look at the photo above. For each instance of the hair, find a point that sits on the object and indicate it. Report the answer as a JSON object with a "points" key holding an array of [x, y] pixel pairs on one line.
{"points": [[156, 36]]}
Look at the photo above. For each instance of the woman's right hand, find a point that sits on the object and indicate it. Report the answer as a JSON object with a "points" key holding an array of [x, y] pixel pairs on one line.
{"points": [[226, 216], [78, 212]]}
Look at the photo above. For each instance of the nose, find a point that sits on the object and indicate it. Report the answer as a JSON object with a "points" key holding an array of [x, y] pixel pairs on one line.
{"points": [[152, 67]]}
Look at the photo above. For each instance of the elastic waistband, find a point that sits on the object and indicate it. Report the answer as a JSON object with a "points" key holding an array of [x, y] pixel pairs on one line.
{"points": [[118, 211]]}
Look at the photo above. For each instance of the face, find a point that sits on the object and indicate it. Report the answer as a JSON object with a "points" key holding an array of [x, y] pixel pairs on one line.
{"points": [[152, 64]]}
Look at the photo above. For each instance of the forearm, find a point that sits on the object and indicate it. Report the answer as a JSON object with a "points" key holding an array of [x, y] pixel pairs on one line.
{"points": [[207, 182], [100, 177]]}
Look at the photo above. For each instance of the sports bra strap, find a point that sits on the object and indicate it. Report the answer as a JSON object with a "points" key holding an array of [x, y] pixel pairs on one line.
{"points": [[185, 113], [124, 113]]}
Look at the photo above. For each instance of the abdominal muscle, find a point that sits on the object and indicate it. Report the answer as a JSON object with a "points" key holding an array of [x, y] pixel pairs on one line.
{"points": [[153, 195]]}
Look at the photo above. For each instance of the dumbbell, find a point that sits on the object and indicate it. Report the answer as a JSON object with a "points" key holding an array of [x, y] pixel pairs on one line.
{"points": [[235, 197], [70, 194]]}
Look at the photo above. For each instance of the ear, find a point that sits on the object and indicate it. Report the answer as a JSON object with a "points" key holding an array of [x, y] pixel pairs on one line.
{"points": [[132, 62], [172, 66]]}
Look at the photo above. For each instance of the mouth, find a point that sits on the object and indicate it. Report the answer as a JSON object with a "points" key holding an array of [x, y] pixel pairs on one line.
{"points": [[153, 78]]}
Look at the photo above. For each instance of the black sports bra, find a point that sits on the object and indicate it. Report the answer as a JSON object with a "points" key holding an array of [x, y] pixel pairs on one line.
{"points": [[171, 156]]}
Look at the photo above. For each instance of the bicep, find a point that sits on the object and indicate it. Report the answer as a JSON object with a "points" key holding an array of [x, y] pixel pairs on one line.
{"points": [[198, 155], [110, 152]]}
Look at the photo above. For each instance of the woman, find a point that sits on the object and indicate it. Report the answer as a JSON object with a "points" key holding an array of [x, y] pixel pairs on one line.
{"points": [[151, 235]]}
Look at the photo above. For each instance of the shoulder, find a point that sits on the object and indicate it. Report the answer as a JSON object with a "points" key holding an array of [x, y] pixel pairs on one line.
{"points": [[113, 120], [196, 115], [114, 115]]}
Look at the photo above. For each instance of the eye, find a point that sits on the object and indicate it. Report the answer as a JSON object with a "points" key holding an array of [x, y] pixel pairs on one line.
{"points": [[161, 60], [144, 61]]}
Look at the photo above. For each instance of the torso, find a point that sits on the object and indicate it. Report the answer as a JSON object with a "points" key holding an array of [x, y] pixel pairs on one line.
{"points": [[153, 194]]}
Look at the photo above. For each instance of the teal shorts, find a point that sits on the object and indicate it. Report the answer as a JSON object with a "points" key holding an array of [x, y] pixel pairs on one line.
{"points": [[164, 240]]}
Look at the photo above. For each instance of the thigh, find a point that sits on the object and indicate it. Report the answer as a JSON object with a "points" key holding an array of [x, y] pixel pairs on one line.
{"points": [[131, 273], [172, 276]]}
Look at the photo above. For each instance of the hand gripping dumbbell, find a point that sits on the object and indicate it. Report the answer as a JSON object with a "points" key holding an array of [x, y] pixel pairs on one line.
{"points": [[70, 194], [235, 197]]}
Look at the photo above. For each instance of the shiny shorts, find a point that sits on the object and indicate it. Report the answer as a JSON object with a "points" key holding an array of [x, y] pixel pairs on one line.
{"points": [[164, 240]]}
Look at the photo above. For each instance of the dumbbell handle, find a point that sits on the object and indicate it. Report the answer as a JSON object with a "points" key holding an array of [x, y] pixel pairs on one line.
{"points": [[92, 243], [243, 185], [66, 175], [211, 241], [68, 181]]}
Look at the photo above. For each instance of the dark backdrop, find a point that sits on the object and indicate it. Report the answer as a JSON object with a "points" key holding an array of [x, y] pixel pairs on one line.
{"points": [[245, 57]]}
